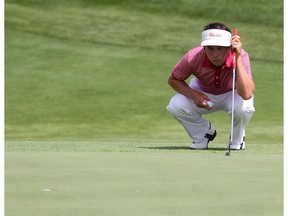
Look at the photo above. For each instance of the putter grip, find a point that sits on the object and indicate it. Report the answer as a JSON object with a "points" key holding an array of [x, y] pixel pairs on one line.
{"points": [[235, 32]]}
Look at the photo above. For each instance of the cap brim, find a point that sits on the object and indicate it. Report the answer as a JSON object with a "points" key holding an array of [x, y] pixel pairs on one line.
{"points": [[216, 43]]}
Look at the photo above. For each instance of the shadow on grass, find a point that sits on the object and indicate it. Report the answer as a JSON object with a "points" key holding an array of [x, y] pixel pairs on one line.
{"points": [[183, 148]]}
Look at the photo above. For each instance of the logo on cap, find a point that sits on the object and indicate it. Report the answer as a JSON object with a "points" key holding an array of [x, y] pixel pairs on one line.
{"points": [[216, 37]]}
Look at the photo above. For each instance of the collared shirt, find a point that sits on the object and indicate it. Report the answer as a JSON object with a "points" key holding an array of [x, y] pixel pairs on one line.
{"points": [[211, 79]]}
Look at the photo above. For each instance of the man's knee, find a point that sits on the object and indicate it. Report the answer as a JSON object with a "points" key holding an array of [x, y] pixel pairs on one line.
{"points": [[244, 111], [174, 108], [180, 105]]}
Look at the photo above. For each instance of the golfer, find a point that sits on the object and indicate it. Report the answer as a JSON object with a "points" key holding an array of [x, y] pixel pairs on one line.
{"points": [[210, 89]]}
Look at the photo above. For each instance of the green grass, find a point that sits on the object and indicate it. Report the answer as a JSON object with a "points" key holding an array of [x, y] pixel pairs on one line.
{"points": [[85, 96], [98, 72], [143, 177]]}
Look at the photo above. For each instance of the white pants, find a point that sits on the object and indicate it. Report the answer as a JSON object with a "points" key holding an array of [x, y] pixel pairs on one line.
{"points": [[189, 115]]}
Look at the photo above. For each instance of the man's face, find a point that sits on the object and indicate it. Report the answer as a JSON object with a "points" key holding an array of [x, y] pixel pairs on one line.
{"points": [[217, 54]]}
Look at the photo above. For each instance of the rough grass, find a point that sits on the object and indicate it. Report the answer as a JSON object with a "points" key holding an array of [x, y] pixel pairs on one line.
{"points": [[96, 69]]}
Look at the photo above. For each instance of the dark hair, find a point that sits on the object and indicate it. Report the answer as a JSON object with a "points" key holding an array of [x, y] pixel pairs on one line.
{"points": [[217, 25]]}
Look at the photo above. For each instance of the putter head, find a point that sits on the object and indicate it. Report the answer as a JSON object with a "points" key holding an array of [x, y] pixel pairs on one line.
{"points": [[229, 152]]}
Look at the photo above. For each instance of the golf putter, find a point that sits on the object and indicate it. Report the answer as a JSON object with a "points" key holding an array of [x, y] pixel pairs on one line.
{"points": [[235, 32]]}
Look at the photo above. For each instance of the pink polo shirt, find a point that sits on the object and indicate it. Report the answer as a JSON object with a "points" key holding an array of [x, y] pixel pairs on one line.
{"points": [[211, 79]]}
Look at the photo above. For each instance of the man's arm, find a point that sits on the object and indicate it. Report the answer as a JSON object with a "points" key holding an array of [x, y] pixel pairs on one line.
{"points": [[183, 88], [245, 84]]}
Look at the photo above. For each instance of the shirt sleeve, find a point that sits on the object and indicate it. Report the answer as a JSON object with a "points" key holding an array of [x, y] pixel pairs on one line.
{"points": [[182, 70], [188, 64], [246, 62]]}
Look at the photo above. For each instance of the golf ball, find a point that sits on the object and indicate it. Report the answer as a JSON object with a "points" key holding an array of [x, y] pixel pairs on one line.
{"points": [[209, 103]]}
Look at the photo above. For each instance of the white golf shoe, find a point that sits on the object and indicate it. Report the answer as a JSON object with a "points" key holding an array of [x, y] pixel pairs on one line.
{"points": [[210, 135], [237, 146]]}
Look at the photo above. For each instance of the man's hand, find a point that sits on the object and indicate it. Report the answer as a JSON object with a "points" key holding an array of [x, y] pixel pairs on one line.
{"points": [[183, 88], [236, 44], [201, 100]]}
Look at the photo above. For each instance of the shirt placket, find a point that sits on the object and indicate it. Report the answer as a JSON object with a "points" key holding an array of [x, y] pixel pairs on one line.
{"points": [[217, 78]]}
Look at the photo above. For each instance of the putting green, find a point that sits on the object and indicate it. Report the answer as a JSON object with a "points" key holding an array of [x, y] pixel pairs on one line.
{"points": [[144, 178]]}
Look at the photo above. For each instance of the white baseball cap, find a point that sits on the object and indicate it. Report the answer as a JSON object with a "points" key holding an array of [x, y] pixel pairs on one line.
{"points": [[216, 37]]}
